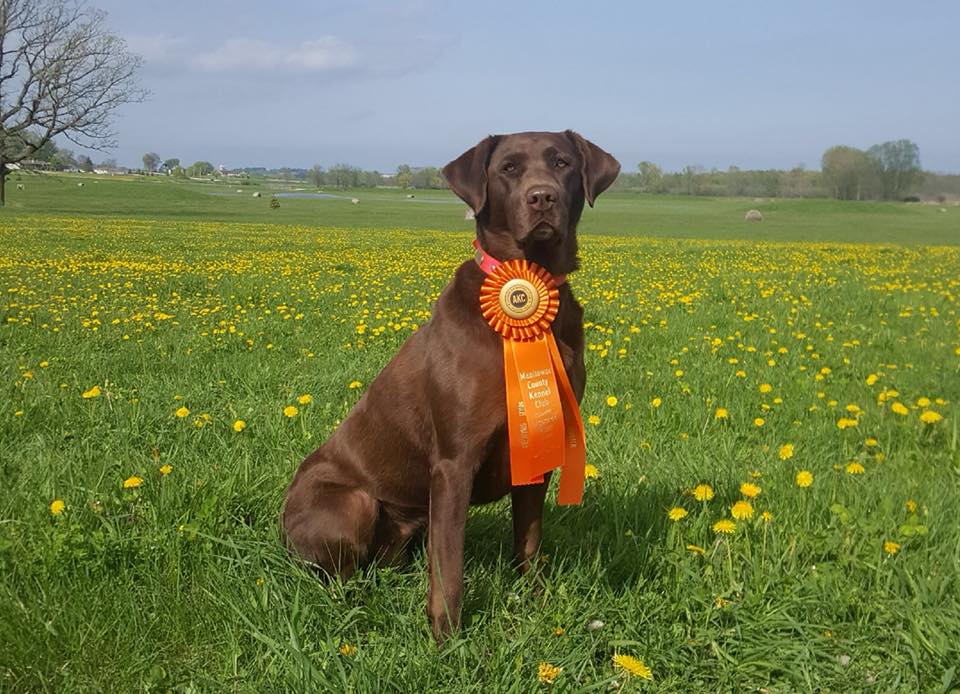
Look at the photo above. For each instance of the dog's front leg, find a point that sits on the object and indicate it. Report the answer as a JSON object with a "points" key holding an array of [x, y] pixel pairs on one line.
{"points": [[527, 506], [450, 485]]}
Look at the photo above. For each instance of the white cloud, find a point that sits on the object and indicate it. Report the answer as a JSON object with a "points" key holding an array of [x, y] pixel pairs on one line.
{"points": [[323, 55], [157, 48]]}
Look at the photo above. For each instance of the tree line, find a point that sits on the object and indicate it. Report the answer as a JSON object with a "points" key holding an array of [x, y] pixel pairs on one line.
{"points": [[887, 171]]}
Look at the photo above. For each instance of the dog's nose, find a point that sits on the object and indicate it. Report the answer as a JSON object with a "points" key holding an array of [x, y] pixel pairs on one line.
{"points": [[542, 197]]}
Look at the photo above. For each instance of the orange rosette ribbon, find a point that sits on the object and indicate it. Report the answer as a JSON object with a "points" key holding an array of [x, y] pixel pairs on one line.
{"points": [[519, 300]]}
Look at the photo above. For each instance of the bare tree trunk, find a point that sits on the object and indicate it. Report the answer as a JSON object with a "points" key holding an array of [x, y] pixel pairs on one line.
{"points": [[3, 182]]}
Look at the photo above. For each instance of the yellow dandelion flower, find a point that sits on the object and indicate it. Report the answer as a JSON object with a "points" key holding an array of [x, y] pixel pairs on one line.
{"points": [[347, 649], [742, 510], [846, 423], [559, 631], [632, 666], [786, 451], [355, 384], [930, 417], [855, 469], [703, 492], [676, 514], [656, 402], [721, 413], [766, 516], [166, 469], [548, 673], [132, 482], [57, 507], [891, 547], [725, 526], [92, 393], [759, 422], [612, 400], [871, 379], [239, 425], [765, 388], [911, 505], [182, 412], [804, 479], [305, 399], [590, 472], [871, 442], [900, 409], [923, 402], [720, 602], [593, 419], [749, 490], [697, 550], [290, 411]]}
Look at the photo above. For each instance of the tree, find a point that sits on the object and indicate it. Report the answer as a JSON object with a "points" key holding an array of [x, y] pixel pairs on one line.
{"points": [[404, 176], [426, 177], [64, 159], [343, 176], [170, 164], [151, 160], [62, 73], [845, 172], [651, 177], [200, 168], [85, 163], [691, 179], [315, 175], [897, 167]]}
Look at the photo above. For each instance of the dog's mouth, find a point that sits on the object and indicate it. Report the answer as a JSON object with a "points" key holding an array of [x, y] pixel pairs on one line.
{"points": [[541, 232]]}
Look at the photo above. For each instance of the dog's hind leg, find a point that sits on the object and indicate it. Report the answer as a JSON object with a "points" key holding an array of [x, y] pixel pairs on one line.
{"points": [[330, 526]]}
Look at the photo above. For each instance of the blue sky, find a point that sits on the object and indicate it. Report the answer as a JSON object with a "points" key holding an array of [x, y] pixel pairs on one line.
{"points": [[752, 84]]}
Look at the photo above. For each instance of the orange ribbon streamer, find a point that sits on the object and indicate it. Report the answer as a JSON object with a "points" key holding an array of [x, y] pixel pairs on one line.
{"points": [[519, 300]]}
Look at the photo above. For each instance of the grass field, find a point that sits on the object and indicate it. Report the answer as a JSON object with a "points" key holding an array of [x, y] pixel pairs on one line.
{"points": [[626, 214], [772, 426]]}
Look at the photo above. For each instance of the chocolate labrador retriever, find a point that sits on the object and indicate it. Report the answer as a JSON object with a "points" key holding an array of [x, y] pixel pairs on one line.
{"points": [[429, 437]]}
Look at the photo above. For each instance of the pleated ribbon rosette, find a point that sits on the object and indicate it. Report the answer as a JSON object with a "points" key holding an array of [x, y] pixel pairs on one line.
{"points": [[520, 299]]}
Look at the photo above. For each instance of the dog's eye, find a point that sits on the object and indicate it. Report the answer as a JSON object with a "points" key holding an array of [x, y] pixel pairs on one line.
{"points": [[508, 168], [562, 163]]}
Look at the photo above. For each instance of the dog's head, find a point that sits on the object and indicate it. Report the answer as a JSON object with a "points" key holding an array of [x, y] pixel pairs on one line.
{"points": [[527, 191]]}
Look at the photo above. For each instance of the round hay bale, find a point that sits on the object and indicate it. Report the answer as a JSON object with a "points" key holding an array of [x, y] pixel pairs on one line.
{"points": [[753, 216], [239, 190], [257, 194], [468, 214], [355, 201], [411, 196], [79, 185]]}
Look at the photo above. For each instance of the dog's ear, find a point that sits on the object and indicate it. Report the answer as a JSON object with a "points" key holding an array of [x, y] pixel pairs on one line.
{"points": [[598, 170], [467, 174]]}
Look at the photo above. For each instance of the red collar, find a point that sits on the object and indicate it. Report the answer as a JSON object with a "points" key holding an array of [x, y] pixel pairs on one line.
{"points": [[487, 263]]}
